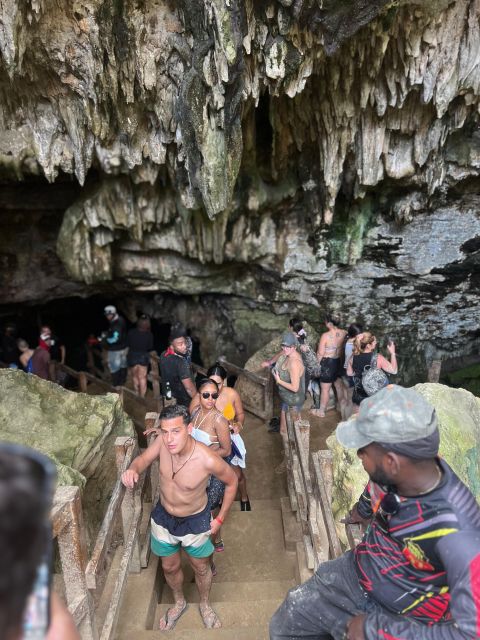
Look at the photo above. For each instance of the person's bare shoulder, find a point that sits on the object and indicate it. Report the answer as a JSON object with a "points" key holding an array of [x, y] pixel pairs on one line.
{"points": [[232, 393], [206, 456]]}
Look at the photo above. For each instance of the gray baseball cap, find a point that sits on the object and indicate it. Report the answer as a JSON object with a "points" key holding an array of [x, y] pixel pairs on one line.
{"points": [[289, 340], [391, 417]]}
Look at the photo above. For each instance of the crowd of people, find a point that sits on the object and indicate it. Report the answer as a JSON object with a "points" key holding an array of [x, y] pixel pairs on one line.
{"points": [[16, 353], [416, 573], [339, 362]]}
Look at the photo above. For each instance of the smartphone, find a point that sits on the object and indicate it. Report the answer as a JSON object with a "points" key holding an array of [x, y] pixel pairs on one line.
{"points": [[36, 620]]}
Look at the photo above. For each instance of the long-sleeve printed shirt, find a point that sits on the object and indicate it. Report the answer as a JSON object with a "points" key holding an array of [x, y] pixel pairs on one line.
{"points": [[422, 564]]}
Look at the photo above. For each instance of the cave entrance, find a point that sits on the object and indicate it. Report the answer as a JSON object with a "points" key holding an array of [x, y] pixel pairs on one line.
{"points": [[76, 319], [462, 372]]}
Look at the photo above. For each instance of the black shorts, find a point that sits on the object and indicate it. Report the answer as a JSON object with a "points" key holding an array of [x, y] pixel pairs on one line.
{"points": [[138, 357], [330, 369]]}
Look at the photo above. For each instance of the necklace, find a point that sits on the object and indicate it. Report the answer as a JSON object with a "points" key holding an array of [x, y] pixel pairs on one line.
{"points": [[435, 484], [174, 473], [197, 426]]}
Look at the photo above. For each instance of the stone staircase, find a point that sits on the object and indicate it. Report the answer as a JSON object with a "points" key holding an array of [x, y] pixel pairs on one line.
{"points": [[254, 572]]}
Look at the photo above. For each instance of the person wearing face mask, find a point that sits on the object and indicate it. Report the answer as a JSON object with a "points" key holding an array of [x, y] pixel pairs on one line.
{"points": [[41, 357]]}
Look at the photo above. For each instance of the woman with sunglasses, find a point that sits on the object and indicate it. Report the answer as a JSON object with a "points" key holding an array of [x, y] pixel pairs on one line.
{"points": [[211, 429], [230, 405]]}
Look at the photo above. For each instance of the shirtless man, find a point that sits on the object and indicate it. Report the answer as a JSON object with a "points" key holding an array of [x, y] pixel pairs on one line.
{"points": [[182, 515]]}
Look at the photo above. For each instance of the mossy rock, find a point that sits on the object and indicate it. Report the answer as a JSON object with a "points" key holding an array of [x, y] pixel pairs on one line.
{"points": [[458, 414], [70, 427]]}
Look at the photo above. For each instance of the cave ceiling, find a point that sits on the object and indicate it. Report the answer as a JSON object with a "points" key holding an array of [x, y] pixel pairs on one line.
{"points": [[291, 154]]}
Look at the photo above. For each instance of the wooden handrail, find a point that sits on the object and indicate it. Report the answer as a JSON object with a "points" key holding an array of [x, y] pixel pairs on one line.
{"points": [[310, 488], [106, 530], [238, 371]]}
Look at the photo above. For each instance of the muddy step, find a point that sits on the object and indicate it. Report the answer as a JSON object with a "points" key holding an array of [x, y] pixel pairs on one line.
{"points": [[251, 633], [254, 548], [233, 615], [236, 591]]}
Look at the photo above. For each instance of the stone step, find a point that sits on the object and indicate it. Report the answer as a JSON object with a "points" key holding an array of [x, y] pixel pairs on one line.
{"points": [[254, 548], [233, 615], [258, 505], [235, 591], [250, 633]]}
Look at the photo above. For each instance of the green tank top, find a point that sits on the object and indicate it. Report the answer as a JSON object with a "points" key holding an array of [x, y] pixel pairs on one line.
{"points": [[293, 399]]}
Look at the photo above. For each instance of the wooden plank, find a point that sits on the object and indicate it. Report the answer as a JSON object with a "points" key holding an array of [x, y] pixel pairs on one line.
{"points": [[104, 537], [61, 510], [326, 509], [111, 619], [73, 556], [325, 458], [434, 371], [302, 438], [354, 535], [309, 552], [318, 537]]}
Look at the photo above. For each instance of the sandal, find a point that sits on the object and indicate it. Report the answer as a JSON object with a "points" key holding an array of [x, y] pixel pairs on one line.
{"points": [[171, 616], [219, 546], [213, 568]]}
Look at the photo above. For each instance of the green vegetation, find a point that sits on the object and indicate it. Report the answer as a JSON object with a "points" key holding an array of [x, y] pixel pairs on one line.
{"points": [[467, 378]]}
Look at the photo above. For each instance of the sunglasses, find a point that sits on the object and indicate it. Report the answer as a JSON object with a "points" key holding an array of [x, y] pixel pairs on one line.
{"points": [[207, 395], [389, 506]]}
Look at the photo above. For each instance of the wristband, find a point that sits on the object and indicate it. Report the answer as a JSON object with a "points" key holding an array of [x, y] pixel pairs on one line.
{"points": [[218, 519]]}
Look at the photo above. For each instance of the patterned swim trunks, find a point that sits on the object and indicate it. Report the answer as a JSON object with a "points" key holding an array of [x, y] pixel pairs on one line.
{"points": [[170, 533]]}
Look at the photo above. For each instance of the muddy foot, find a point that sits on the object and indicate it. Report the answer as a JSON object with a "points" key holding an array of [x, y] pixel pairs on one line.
{"points": [[169, 620], [209, 617]]}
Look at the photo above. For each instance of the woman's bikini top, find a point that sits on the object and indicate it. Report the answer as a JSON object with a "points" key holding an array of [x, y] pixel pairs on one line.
{"points": [[229, 411], [202, 436], [331, 350]]}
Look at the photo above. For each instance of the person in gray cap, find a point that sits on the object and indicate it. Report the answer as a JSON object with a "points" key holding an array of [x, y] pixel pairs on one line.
{"points": [[289, 374], [416, 573], [115, 342]]}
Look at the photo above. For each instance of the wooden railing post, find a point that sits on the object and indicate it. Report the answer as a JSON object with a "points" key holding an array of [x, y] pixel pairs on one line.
{"points": [[155, 377], [72, 545], [434, 371], [129, 502], [82, 382], [268, 398], [325, 458]]}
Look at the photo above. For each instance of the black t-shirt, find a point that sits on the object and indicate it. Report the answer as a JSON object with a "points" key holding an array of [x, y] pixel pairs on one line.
{"points": [[174, 369], [140, 341]]}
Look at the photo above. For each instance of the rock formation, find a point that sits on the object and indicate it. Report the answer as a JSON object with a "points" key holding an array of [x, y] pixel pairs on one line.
{"points": [[267, 156], [76, 430]]}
